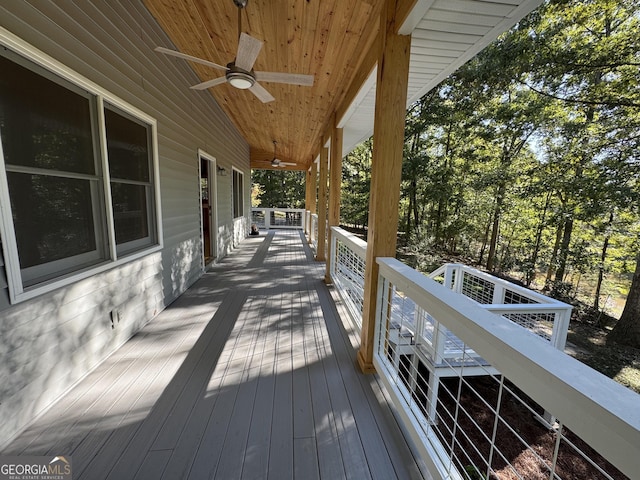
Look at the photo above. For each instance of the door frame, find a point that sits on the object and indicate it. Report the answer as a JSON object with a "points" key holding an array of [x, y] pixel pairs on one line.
{"points": [[213, 206]]}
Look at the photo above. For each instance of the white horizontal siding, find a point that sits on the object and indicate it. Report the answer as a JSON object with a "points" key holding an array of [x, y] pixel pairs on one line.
{"points": [[50, 342]]}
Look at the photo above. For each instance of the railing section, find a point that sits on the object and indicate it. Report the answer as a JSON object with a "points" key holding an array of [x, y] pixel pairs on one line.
{"points": [[479, 423], [544, 316], [266, 218], [313, 233], [347, 261]]}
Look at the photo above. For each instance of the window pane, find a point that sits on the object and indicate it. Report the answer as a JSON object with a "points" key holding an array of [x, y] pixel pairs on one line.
{"points": [[53, 217], [129, 212], [43, 124], [127, 145]]}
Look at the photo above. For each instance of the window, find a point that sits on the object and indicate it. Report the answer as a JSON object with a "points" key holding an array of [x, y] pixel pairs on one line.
{"points": [[238, 194], [130, 163], [55, 176]]}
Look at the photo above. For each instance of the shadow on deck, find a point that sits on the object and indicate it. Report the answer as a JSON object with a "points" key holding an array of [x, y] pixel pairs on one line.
{"points": [[249, 374]]}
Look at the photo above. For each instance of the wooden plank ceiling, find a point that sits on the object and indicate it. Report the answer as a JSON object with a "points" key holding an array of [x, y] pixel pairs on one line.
{"points": [[325, 38], [334, 41]]}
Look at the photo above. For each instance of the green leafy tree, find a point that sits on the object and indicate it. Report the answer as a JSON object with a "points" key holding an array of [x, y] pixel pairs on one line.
{"points": [[356, 180], [278, 188]]}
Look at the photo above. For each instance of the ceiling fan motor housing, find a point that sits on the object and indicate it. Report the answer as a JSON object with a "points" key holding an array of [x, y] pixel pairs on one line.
{"points": [[239, 78], [241, 3]]}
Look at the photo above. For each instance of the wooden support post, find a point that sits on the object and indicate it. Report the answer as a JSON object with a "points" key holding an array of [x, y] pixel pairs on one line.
{"points": [[322, 204], [335, 182], [386, 167]]}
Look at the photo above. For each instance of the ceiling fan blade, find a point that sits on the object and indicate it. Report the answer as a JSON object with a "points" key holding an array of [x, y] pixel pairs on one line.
{"points": [[284, 164], [248, 50], [288, 78], [209, 83], [184, 56], [260, 92]]}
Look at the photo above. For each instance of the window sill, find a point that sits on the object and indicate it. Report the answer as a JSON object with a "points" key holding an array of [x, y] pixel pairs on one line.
{"points": [[38, 290]]}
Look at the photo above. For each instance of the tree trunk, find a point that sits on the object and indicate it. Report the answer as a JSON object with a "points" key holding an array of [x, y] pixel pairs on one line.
{"points": [[416, 217], [627, 330], [493, 243], [603, 256], [554, 257], [564, 250], [531, 271], [408, 219], [484, 241]]}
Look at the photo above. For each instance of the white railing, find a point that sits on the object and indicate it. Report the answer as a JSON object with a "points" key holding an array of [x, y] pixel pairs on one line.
{"points": [[313, 232], [347, 261], [266, 218], [307, 221], [478, 422], [546, 317]]}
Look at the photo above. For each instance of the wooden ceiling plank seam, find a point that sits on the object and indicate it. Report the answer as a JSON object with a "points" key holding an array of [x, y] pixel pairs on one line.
{"points": [[336, 79], [185, 44]]}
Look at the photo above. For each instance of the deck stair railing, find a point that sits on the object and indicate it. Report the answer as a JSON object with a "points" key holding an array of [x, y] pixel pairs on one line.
{"points": [[468, 384], [542, 315]]}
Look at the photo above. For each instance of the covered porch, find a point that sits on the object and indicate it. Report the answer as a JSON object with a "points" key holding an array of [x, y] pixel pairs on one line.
{"points": [[250, 374]]}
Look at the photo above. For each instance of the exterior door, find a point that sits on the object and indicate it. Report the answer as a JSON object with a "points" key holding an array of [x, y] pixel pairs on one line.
{"points": [[208, 205]]}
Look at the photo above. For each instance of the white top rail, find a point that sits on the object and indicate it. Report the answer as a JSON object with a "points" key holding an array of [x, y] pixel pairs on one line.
{"points": [[601, 411], [272, 217], [525, 292], [355, 243]]}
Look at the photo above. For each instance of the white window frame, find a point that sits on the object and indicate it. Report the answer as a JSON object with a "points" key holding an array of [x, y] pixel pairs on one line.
{"points": [[233, 194], [17, 292]]}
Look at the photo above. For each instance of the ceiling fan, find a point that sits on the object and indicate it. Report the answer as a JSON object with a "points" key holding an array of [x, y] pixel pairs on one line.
{"points": [[240, 73], [276, 162]]}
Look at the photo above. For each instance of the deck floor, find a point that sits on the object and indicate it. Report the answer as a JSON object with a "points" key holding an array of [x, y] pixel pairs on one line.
{"points": [[248, 375]]}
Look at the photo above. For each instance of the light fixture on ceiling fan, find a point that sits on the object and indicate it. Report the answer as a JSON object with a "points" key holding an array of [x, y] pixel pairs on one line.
{"points": [[276, 162], [240, 73]]}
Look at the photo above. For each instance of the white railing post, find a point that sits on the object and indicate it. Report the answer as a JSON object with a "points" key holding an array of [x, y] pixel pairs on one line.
{"points": [[448, 276], [333, 252], [459, 280], [498, 294], [560, 328]]}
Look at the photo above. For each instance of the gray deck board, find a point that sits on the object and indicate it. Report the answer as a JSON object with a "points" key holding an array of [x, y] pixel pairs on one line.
{"points": [[249, 375]]}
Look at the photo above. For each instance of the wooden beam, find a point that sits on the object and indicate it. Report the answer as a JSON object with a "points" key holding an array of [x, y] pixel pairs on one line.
{"points": [[322, 205], [335, 183], [386, 166]]}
